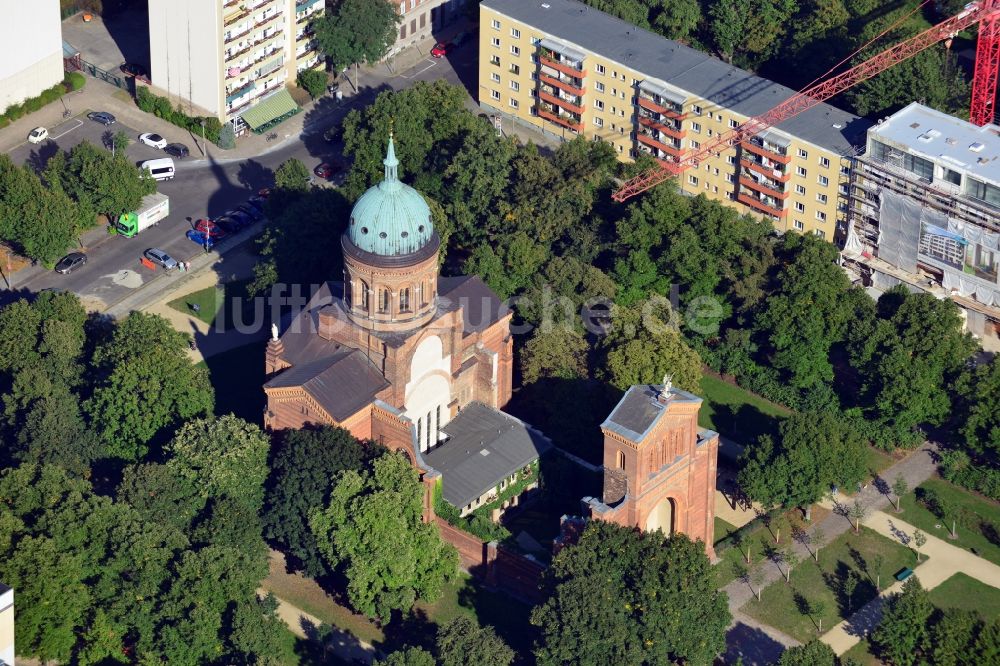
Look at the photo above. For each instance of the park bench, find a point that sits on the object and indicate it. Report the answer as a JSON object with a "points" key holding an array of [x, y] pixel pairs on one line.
{"points": [[904, 573]]}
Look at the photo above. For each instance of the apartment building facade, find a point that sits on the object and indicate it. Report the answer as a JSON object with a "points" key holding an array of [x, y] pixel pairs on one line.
{"points": [[420, 19], [568, 70], [925, 211], [31, 33], [6, 626], [226, 56]]}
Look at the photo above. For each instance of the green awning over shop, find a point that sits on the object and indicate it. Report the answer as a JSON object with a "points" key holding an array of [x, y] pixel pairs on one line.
{"points": [[270, 111]]}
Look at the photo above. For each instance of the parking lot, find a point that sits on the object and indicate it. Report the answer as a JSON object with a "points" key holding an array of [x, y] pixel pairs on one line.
{"points": [[107, 44]]}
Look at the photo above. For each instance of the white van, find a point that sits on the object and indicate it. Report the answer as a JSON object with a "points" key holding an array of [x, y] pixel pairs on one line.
{"points": [[162, 169]]}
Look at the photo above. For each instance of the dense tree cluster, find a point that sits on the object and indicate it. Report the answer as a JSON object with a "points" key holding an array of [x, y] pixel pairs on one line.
{"points": [[356, 31], [794, 42], [912, 631], [159, 559], [622, 596]]}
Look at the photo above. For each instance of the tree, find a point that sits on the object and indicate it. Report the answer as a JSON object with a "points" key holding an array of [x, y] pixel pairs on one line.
{"points": [[858, 513], [644, 345], [919, 539], [560, 353], [303, 465], [791, 559], [410, 656], [816, 609], [160, 495], [678, 19], [357, 31], [120, 141], [461, 641], [952, 637], [313, 81], [933, 76], [143, 383], [817, 539], [903, 631], [849, 586], [292, 176], [223, 456], [900, 488], [813, 451], [757, 580], [727, 24], [982, 421], [372, 531], [626, 597], [813, 653], [53, 215], [227, 137], [106, 183], [877, 563]]}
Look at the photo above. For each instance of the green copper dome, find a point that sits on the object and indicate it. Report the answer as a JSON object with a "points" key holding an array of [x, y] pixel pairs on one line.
{"points": [[391, 218]]}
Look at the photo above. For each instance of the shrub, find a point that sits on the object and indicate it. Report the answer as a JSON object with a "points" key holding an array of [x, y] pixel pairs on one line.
{"points": [[227, 137], [14, 112], [958, 468], [161, 108], [313, 82], [76, 80], [33, 104]]}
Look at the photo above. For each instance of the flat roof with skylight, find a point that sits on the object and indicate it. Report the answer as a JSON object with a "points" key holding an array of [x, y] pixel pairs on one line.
{"points": [[943, 139]]}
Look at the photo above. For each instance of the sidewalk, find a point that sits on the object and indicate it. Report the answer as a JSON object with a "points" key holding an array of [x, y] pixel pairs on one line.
{"points": [[945, 560]]}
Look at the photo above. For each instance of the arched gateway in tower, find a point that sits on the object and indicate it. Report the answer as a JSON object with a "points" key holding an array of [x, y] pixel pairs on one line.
{"points": [[400, 355]]}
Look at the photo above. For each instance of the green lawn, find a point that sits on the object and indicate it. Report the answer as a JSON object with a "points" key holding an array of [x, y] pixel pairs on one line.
{"points": [[784, 605], [722, 529], [757, 541], [237, 377], [211, 300], [966, 593], [735, 412], [978, 518], [862, 654]]}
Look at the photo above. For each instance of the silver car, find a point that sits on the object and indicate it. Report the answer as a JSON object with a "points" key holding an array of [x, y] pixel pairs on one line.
{"points": [[158, 256]]}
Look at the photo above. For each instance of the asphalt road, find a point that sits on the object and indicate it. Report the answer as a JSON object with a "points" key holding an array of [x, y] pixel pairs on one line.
{"points": [[203, 187]]}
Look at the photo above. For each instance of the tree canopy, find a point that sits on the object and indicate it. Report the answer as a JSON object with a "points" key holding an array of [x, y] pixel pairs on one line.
{"points": [[627, 597], [461, 641], [357, 31], [372, 531]]}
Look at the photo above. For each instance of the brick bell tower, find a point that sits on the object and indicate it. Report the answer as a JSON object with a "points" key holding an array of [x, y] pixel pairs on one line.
{"points": [[659, 466]]}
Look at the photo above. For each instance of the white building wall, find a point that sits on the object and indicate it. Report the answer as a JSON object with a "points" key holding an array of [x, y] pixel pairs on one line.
{"points": [[31, 34], [6, 625], [185, 47]]}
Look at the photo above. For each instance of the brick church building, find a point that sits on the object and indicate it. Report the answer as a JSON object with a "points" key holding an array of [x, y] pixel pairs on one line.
{"points": [[422, 364]]}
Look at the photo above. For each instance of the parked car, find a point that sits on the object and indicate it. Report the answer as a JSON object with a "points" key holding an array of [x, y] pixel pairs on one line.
{"points": [[158, 256], [440, 50], [71, 262], [326, 170], [229, 224], [256, 202], [199, 238], [254, 213], [102, 117], [153, 140], [132, 69], [38, 135], [243, 219], [210, 229], [264, 192], [178, 150]]}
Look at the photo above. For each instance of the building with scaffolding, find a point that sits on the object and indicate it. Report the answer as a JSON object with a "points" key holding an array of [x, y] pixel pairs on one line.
{"points": [[570, 70], [924, 210]]}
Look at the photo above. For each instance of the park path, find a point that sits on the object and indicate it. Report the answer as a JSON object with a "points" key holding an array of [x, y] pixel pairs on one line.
{"points": [[945, 560], [756, 644], [340, 643]]}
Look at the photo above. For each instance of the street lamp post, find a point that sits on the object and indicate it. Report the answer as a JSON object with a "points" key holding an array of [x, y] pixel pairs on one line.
{"points": [[204, 141]]}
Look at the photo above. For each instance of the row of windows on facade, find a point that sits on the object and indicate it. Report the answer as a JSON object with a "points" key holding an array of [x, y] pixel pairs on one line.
{"points": [[492, 494], [427, 426], [385, 297], [924, 169]]}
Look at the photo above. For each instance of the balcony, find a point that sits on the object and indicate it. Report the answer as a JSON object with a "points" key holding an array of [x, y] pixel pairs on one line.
{"points": [[235, 16], [269, 20], [570, 84], [653, 142], [240, 92], [662, 157], [560, 63], [573, 106], [763, 186], [562, 119], [661, 106], [770, 151], [766, 169], [655, 124], [768, 207]]}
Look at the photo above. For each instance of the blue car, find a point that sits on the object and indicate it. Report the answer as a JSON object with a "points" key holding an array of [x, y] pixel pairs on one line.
{"points": [[199, 238]]}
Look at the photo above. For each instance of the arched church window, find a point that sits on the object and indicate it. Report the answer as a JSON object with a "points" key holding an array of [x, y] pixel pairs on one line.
{"points": [[383, 300], [620, 460], [404, 299], [349, 293], [364, 295]]}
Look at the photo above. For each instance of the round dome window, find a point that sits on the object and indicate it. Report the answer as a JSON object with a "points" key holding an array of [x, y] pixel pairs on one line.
{"points": [[364, 230], [420, 228], [382, 235], [353, 221], [405, 234]]}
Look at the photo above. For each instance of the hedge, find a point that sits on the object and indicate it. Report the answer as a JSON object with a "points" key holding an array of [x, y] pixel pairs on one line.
{"points": [[161, 108], [73, 81]]}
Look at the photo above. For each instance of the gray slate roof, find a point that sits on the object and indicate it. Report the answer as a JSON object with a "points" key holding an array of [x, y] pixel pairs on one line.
{"points": [[683, 67], [342, 383], [639, 409], [482, 307], [466, 471]]}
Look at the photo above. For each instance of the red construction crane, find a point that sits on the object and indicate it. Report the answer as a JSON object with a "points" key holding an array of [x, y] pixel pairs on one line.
{"points": [[984, 89]]}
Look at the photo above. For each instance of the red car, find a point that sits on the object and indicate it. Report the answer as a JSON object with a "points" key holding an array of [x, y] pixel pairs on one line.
{"points": [[440, 50], [264, 192], [326, 170], [210, 229]]}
